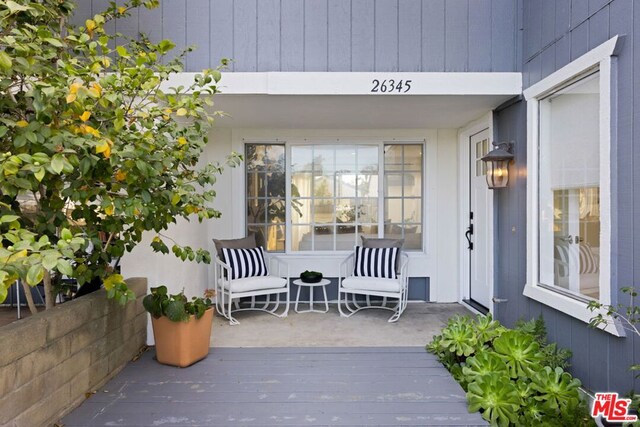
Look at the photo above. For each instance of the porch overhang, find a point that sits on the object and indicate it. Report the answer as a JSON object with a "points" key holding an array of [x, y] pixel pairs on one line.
{"points": [[355, 100]]}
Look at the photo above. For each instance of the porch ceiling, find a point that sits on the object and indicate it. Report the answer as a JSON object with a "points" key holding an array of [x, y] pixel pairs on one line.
{"points": [[353, 111]]}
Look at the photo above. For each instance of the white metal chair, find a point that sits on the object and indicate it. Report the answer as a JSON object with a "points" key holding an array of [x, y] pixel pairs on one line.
{"points": [[228, 292], [350, 286]]}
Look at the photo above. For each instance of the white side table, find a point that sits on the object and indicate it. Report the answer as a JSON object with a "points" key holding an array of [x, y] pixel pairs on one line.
{"points": [[323, 283]]}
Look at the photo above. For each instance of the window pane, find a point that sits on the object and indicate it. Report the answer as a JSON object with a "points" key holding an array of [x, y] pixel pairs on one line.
{"points": [[393, 210], [301, 183], [256, 211], [301, 211], [393, 185], [368, 159], [368, 211], [569, 188], [392, 157], [301, 239], [412, 210], [323, 211], [323, 237], [265, 190], [412, 236], [335, 183], [302, 159], [403, 191], [367, 185]]}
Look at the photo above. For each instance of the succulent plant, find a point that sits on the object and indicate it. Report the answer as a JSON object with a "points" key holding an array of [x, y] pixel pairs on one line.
{"points": [[520, 352], [485, 362], [557, 389], [498, 398], [488, 329], [459, 337]]}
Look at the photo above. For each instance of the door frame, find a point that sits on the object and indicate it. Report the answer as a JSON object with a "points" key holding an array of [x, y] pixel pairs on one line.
{"points": [[485, 122]]}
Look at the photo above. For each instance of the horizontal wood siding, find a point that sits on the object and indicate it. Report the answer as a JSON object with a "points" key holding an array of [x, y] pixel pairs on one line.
{"points": [[555, 33], [334, 35]]}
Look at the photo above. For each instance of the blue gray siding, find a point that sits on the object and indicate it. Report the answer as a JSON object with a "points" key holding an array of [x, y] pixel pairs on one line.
{"points": [[555, 33], [333, 35]]}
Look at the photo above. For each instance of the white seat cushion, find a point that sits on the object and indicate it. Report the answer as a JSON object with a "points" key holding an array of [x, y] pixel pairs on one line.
{"points": [[371, 284], [256, 283]]}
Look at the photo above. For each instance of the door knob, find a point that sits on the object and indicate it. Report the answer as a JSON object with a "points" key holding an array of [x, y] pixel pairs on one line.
{"points": [[468, 236]]}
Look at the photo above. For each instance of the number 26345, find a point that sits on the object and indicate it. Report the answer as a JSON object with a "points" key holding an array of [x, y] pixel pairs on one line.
{"points": [[390, 86]]}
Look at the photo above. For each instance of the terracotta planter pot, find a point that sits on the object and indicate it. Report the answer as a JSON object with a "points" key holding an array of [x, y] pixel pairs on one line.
{"points": [[182, 343]]}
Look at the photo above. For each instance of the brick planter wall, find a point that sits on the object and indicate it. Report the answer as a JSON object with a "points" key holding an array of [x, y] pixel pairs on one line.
{"points": [[50, 360]]}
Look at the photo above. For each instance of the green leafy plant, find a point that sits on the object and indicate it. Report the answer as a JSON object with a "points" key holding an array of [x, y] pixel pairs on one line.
{"points": [[175, 307], [498, 398], [511, 376], [519, 351], [95, 149]]}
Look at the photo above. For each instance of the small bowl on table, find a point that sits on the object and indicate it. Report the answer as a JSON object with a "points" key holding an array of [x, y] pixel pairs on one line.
{"points": [[311, 276]]}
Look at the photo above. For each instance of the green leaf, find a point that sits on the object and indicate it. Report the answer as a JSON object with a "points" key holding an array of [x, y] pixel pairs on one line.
{"points": [[54, 42], [8, 218], [15, 7], [57, 163], [175, 311], [49, 261], [64, 267], [65, 234], [216, 75], [5, 61], [35, 274], [39, 174], [122, 51]]}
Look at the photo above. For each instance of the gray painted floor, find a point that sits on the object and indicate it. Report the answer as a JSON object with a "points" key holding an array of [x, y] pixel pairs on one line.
{"points": [[363, 386], [306, 369]]}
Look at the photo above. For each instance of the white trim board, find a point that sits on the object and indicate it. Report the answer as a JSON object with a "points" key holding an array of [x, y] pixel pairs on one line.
{"points": [[350, 83]]}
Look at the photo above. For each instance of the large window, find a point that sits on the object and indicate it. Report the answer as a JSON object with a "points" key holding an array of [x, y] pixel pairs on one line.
{"points": [[570, 117], [338, 192], [569, 188]]}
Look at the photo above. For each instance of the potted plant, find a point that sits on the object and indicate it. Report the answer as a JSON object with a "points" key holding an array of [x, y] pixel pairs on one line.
{"points": [[181, 328]]}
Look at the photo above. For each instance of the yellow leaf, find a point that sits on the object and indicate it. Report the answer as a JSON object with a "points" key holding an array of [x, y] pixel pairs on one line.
{"points": [[122, 10], [182, 140], [74, 87], [86, 129], [168, 111], [105, 63], [105, 148], [109, 210], [96, 90], [22, 123], [71, 97], [110, 281], [85, 116], [181, 112], [121, 175], [136, 211], [90, 24]]}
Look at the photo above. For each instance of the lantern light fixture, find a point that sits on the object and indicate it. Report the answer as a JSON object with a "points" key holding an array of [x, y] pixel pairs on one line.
{"points": [[497, 161]]}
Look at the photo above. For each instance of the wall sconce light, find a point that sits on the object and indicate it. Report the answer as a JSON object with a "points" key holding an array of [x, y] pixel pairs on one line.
{"points": [[497, 161]]}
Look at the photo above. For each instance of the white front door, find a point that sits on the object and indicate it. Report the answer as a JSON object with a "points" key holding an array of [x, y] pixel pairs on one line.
{"points": [[478, 227]]}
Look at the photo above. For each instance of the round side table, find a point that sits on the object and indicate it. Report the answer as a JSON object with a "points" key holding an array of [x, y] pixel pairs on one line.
{"points": [[323, 283]]}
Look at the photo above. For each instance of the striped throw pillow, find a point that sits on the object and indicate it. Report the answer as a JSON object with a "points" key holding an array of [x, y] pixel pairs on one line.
{"points": [[376, 262], [245, 262], [588, 262]]}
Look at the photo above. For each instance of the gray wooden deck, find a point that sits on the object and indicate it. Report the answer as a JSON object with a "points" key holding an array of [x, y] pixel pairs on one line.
{"points": [[282, 386]]}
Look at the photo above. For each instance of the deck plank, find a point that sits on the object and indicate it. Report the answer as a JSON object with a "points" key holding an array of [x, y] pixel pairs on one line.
{"points": [[282, 386]]}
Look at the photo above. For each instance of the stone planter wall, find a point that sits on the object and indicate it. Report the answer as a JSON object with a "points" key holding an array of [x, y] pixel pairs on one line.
{"points": [[49, 361]]}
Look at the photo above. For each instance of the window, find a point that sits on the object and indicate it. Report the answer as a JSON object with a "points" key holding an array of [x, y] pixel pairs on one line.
{"points": [[338, 192], [569, 188], [266, 202], [569, 117]]}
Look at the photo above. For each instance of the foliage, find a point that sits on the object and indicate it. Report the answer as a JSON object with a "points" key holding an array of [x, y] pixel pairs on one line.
{"points": [[628, 317], [509, 375], [177, 307], [96, 148]]}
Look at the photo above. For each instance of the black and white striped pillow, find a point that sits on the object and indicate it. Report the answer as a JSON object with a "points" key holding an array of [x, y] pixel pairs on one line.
{"points": [[376, 262], [245, 262]]}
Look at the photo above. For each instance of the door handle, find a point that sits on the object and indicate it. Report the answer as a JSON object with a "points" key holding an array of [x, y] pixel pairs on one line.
{"points": [[468, 236]]}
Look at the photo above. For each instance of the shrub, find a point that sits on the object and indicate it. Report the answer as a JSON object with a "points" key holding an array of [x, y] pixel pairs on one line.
{"points": [[513, 376]]}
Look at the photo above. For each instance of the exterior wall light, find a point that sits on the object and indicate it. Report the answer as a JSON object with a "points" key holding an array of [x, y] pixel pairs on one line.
{"points": [[497, 161]]}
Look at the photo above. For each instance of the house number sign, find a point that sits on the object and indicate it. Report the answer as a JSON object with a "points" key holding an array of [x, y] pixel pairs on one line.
{"points": [[390, 86]]}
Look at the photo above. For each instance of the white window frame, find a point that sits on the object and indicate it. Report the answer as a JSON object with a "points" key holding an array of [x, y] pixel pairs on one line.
{"points": [[380, 143], [603, 58]]}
